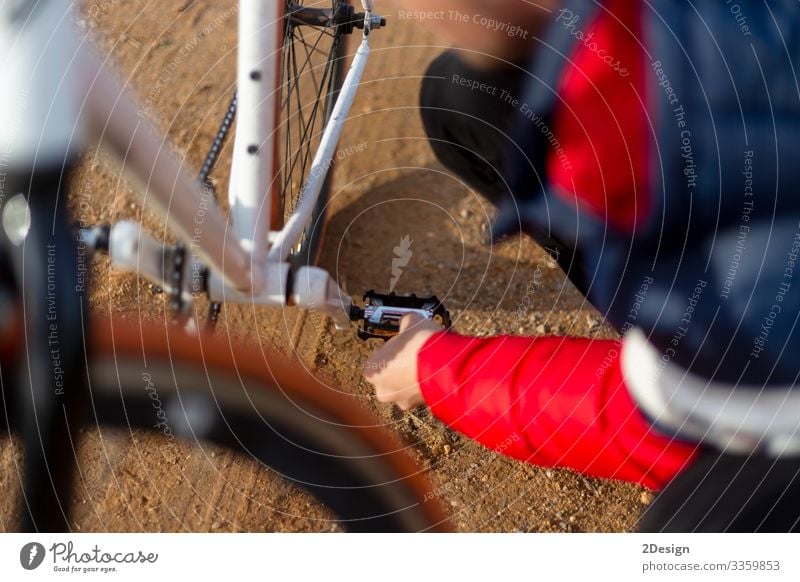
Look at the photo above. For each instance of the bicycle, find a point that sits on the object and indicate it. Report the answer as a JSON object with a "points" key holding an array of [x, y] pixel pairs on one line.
{"points": [[264, 407]]}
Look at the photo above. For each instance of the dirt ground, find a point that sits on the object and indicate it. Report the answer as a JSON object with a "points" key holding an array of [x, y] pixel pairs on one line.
{"points": [[386, 189]]}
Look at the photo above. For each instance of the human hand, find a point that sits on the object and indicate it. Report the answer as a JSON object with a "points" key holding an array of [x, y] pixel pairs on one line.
{"points": [[392, 369]]}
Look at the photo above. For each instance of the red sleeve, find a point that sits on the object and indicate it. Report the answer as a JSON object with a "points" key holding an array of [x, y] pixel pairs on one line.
{"points": [[551, 401]]}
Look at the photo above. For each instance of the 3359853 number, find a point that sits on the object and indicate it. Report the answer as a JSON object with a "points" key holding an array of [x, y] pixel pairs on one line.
{"points": [[755, 565]]}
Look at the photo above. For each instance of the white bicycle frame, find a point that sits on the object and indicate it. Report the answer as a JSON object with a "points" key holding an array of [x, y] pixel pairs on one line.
{"points": [[66, 87]]}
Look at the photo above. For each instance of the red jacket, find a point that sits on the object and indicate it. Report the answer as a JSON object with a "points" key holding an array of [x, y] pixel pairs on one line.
{"points": [[557, 401], [552, 401]]}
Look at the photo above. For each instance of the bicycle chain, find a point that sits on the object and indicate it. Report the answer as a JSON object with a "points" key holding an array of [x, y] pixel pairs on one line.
{"points": [[210, 160]]}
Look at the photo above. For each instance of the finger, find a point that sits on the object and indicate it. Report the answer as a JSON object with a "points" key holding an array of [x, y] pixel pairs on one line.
{"points": [[376, 358], [371, 369], [405, 405], [377, 365], [371, 365], [389, 396], [409, 320]]}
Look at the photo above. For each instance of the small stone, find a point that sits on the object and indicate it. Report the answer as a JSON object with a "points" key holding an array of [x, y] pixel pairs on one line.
{"points": [[541, 329], [446, 449], [216, 525], [646, 498], [454, 503], [548, 474], [464, 213], [572, 519]]}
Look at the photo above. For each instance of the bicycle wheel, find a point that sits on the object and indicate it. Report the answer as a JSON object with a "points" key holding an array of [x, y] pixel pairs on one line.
{"points": [[311, 75], [312, 69], [267, 408]]}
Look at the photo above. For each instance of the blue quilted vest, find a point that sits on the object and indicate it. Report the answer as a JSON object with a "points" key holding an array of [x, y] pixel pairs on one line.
{"points": [[713, 277]]}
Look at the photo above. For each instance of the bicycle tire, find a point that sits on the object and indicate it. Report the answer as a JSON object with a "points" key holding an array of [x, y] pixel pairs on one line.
{"points": [[294, 159], [268, 408]]}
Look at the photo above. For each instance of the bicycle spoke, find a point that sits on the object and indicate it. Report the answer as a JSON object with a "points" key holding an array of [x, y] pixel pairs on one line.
{"points": [[322, 87], [308, 83], [308, 126], [309, 49]]}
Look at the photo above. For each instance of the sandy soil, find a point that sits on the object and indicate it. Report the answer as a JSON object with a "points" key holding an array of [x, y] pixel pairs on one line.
{"points": [[391, 188]]}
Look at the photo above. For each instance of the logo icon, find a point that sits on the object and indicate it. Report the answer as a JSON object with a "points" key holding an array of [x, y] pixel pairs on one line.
{"points": [[31, 555], [402, 255]]}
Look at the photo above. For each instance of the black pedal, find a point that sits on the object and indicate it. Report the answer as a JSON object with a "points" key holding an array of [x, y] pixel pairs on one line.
{"points": [[381, 314]]}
